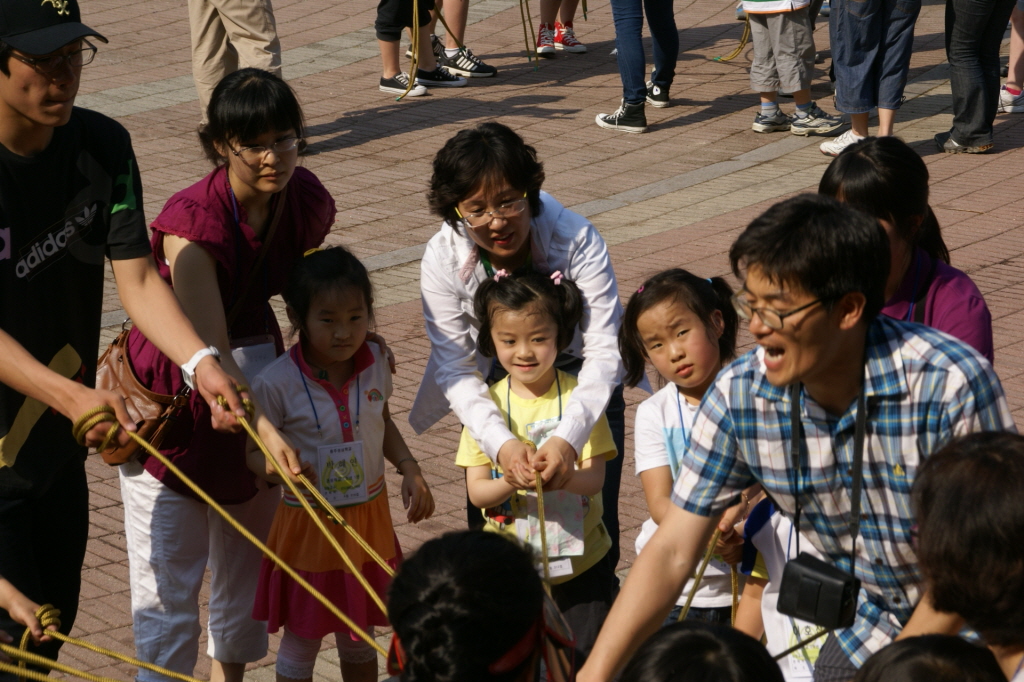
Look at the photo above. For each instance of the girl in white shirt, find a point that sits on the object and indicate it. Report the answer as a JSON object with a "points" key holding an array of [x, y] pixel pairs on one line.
{"points": [[686, 327], [486, 185]]}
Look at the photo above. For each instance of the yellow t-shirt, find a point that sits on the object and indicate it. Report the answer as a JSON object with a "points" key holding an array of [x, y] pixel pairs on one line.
{"points": [[525, 415]]}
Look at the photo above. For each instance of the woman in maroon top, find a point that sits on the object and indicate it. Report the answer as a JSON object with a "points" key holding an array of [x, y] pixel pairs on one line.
{"points": [[884, 177], [209, 245]]}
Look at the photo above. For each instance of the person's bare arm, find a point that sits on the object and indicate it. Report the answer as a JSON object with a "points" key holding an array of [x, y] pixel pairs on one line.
{"points": [[588, 479], [748, 615], [416, 495], [22, 610], [927, 620], [485, 491], [650, 590], [657, 484], [194, 273]]}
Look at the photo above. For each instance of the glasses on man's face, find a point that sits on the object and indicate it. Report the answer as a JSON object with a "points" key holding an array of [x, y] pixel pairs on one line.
{"points": [[508, 209], [772, 319], [56, 62], [258, 153]]}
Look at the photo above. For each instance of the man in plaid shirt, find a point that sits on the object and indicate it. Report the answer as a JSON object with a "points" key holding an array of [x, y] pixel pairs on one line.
{"points": [[815, 274]]}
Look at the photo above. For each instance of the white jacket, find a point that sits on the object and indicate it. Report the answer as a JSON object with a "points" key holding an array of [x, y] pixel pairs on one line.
{"points": [[450, 273]]}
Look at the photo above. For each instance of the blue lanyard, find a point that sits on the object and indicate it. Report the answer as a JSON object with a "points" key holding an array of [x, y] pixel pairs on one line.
{"points": [[682, 422], [313, 405], [508, 399]]}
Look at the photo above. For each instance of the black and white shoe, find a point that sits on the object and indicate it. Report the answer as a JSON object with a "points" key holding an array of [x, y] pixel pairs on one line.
{"points": [[398, 85], [629, 118], [467, 64], [657, 96], [435, 44], [439, 78]]}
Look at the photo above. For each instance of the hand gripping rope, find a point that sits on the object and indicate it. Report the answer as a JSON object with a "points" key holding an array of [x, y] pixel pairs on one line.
{"points": [[47, 616], [105, 413]]}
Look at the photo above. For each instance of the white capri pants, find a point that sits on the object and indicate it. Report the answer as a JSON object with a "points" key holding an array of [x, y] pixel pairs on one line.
{"points": [[171, 539]]}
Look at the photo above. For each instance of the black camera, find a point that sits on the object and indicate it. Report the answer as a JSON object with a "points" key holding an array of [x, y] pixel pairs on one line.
{"points": [[818, 593]]}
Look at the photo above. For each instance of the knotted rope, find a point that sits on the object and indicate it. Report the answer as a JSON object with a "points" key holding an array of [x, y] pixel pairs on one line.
{"points": [[105, 413]]}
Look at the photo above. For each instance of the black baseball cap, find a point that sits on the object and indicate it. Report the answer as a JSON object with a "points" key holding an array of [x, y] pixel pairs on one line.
{"points": [[42, 27]]}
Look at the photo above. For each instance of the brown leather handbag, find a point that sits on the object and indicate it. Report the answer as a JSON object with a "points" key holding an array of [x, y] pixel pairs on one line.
{"points": [[153, 413]]}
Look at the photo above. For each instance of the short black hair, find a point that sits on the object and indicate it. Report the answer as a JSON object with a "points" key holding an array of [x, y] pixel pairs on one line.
{"points": [[460, 603], [826, 248], [246, 104], [967, 500], [702, 296], [562, 302], [699, 652], [487, 155], [884, 177], [931, 658], [327, 269], [5, 56]]}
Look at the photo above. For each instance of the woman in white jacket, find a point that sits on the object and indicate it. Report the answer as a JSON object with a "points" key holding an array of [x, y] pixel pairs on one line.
{"points": [[486, 186]]}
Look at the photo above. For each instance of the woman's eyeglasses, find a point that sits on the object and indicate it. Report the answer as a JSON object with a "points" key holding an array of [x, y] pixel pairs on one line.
{"points": [[258, 153], [508, 209]]}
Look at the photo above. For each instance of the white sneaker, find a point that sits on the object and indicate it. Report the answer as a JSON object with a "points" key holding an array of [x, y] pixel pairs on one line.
{"points": [[837, 144], [1010, 104]]}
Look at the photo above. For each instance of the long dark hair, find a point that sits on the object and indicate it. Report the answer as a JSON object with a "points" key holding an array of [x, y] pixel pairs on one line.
{"points": [[246, 104], [884, 177], [562, 302], [459, 603], [702, 296]]}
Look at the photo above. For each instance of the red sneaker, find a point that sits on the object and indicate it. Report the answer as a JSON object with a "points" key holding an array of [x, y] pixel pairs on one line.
{"points": [[565, 38], [546, 40]]}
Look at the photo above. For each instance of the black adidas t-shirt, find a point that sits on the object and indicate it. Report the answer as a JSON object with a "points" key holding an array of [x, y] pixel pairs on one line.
{"points": [[61, 212]]}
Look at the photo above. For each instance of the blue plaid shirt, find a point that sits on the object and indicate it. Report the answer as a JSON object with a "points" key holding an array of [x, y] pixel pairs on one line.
{"points": [[923, 387]]}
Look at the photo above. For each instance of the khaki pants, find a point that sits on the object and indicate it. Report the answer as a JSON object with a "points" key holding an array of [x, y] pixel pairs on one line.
{"points": [[228, 35]]}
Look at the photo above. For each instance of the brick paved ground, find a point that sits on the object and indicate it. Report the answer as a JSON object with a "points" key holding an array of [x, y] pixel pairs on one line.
{"points": [[675, 196]]}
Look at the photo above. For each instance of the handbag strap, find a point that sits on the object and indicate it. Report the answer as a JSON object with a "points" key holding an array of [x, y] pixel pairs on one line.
{"points": [[268, 238], [796, 437]]}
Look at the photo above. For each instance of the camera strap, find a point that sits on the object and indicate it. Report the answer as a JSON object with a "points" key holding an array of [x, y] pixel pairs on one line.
{"points": [[796, 437]]}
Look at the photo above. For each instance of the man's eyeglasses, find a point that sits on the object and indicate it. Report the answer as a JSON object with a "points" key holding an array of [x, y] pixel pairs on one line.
{"points": [[258, 153], [508, 209], [56, 62], [772, 319]]}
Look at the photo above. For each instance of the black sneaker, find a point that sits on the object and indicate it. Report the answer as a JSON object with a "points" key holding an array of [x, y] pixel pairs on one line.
{"points": [[629, 118], [657, 96], [467, 64], [435, 44], [398, 85], [439, 78]]}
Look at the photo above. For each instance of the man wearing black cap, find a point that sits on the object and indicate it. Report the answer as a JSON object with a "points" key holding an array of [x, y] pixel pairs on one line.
{"points": [[70, 195]]}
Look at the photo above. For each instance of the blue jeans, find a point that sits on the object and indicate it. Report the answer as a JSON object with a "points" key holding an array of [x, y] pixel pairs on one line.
{"points": [[871, 45], [629, 23], [715, 616], [974, 29]]}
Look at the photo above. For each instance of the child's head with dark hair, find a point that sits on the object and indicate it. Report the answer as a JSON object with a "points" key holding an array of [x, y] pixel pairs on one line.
{"points": [[967, 501], [245, 106], [460, 603], [698, 652], [330, 299], [489, 159], [678, 320], [817, 245], [931, 658], [530, 295], [885, 178]]}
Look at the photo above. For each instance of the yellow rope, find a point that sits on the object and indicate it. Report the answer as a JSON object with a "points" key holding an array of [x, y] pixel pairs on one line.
{"points": [[333, 541], [36, 659], [539, 485], [700, 574], [47, 615], [530, 54], [104, 413], [735, 576], [739, 48], [584, 10], [414, 64]]}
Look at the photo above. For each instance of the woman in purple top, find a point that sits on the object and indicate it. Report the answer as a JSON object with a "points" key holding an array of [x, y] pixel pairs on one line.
{"points": [[209, 245], [884, 177]]}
